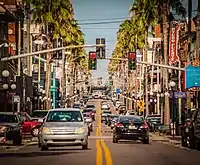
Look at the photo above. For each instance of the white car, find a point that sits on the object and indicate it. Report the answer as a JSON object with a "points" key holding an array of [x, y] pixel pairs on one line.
{"points": [[105, 106], [131, 112]]}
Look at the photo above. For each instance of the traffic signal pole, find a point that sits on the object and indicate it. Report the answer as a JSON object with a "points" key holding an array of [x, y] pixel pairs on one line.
{"points": [[152, 64], [48, 50]]}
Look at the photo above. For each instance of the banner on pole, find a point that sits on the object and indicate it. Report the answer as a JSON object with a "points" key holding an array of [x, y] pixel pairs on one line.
{"points": [[173, 43]]}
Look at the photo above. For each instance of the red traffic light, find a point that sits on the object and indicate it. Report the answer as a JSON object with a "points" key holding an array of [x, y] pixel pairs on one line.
{"points": [[92, 55], [131, 55]]}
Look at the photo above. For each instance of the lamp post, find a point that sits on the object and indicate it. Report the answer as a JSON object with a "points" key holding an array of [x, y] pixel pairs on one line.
{"points": [[162, 108], [151, 102], [172, 84]]}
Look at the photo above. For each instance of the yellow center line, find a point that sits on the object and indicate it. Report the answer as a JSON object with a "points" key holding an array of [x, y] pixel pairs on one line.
{"points": [[101, 142]]}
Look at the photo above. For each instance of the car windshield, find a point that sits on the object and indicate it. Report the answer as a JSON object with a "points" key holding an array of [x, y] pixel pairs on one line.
{"points": [[5, 118], [128, 119], [64, 116], [39, 114], [90, 106]]}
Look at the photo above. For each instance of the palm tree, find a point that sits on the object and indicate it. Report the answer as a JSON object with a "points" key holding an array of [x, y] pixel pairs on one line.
{"points": [[58, 16], [161, 10]]}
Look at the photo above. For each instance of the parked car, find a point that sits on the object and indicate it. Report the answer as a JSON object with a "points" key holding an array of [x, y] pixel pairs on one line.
{"points": [[130, 112], [191, 133], [39, 115], [63, 127], [131, 128], [30, 126], [11, 127], [154, 122]]}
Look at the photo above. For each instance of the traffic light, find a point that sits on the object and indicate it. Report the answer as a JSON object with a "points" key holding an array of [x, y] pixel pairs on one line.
{"points": [[131, 60], [101, 51], [92, 61]]}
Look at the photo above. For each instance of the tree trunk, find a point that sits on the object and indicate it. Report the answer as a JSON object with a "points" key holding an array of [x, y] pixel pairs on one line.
{"points": [[48, 80], [166, 79]]}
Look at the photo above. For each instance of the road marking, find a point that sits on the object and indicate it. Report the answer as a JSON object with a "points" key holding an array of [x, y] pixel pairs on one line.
{"points": [[99, 143]]}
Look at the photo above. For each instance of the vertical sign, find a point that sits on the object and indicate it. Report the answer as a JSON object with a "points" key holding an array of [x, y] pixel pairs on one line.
{"points": [[173, 43]]}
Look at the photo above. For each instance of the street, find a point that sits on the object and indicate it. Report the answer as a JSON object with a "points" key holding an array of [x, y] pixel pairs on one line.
{"points": [[103, 152]]}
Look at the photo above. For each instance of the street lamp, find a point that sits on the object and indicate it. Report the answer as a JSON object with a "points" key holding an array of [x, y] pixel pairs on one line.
{"points": [[172, 84], [5, 86], [13, 86], [5, 73]]}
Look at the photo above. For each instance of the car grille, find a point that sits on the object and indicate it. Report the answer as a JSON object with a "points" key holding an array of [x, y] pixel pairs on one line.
{"points": [[64, 140], [64, 131]]}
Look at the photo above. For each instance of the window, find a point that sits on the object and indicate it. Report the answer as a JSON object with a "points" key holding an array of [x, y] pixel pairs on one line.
{"points": [[129, 119], [64, 116], [8, 118]]}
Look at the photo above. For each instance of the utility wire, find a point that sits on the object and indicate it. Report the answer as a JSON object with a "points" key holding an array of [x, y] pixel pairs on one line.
{"points": [[99, 23], [104, 19]]}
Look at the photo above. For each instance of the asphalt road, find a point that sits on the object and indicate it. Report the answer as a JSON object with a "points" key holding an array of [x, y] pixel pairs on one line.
{"points": [[103, 152]]}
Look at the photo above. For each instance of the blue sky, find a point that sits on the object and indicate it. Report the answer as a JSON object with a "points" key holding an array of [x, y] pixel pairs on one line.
{"points": [[85, 10]]}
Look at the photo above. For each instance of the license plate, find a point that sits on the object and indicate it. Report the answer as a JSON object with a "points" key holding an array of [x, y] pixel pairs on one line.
{"points": [[132, 127], [186, 130]]}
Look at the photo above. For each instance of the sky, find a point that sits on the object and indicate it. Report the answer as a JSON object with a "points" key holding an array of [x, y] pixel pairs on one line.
{"points": [[87, 11]]}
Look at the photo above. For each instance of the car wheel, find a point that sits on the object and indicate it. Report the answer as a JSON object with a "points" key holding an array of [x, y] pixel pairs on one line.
{"points": [[145, 141], [184, 141], [44, 148], [17, 141], [115, 140], [35, 132], [85, 146]]}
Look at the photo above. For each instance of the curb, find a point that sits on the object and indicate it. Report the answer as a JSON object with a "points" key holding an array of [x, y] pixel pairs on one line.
{"points": [[20, 147]]}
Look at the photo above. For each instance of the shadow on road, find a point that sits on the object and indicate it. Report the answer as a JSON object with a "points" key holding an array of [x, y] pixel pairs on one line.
{"points": [[35, 154]]}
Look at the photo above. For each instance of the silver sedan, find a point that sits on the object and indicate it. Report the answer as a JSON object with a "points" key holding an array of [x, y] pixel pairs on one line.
{"points": [[64, 127]]}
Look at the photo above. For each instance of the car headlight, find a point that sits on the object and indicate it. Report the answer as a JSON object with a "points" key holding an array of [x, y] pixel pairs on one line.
{"points": [[81, 130], [46, 130]]}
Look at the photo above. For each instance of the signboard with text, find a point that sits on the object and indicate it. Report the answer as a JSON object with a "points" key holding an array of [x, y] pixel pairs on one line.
{"points": [[192, 76]]}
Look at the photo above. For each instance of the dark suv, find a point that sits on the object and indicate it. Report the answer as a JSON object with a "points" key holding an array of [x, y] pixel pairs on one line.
{"points": [[11, 127], [191, 130]]}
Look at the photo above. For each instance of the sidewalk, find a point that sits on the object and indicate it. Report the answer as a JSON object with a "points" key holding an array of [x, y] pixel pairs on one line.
{"points": [[166, 138]]}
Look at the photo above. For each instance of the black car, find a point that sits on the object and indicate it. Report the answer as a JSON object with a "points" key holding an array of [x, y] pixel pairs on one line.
{"points": [[131, 127], [191, 130], [13, 126], [154, 121]]}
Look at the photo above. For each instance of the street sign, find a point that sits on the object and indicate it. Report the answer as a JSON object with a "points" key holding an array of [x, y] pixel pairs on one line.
{"points": [[117, 90], [140, 104], [192, 76], [178, 94], [16, 99]]}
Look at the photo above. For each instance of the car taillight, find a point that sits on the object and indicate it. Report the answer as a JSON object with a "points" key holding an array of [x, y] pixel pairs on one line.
{"points": [[119, 125], [144, 125]]}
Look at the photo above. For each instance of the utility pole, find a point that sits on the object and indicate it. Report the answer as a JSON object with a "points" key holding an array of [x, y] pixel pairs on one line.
{"points": [[198, 45], [19, 49], [189, 45]]}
